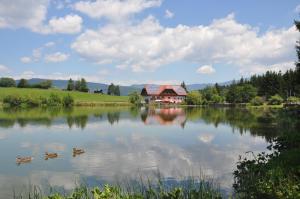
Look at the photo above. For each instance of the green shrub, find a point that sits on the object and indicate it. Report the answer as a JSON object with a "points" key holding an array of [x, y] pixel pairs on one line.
{"points": [[68, 101], [54, 100], [13, 100], [257, 101], [135, 98], [293, 100], [30, 102], [194, 98], [275, 100]]}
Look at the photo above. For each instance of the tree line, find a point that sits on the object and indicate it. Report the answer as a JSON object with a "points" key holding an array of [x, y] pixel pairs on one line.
{"points": [[23, 83]]}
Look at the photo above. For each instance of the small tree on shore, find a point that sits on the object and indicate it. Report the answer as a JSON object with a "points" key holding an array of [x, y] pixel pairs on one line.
{"points": [[23, 83], [70, 86]]}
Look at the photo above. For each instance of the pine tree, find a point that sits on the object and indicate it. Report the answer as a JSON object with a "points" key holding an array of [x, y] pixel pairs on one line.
{"points": [[77, 85], [83, 85], [70, 85], [110, 89], [184, 86], [117, 91]]}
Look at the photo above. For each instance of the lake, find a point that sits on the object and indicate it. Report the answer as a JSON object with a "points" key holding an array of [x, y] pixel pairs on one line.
{"points": [[122, 142]]}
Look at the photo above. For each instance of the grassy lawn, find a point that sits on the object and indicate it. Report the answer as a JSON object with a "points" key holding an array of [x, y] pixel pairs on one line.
{"points": [[79, 97]]}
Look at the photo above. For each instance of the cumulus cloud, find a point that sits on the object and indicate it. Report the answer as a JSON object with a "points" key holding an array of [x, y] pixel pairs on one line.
{"points": [[3, 68], [148, 45], [56, 57], [69, 24], [206, 69], [31, 14], [114, 9], [169, 14], [22, 13], [25, 60]]}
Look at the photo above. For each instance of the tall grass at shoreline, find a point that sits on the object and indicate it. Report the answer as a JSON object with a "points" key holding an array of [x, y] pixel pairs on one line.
{"points": [[189, 188]]}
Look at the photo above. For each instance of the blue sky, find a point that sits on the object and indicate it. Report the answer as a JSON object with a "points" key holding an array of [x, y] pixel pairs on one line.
{"points": [[146, 41]]}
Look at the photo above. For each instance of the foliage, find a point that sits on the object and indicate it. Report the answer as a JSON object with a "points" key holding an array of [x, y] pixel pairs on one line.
{"points": [[293, 100], [194, 98], [68, 101], [135, 98], [7, 82], [257, 101], [70, 86], [240, 93], [80, 85], [54, 100], [271, 175], [43, 85], [113, 90], [184, 86], [275, 100], [23, 84]]}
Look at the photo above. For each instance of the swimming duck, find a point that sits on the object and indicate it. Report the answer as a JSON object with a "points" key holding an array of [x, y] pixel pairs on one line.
{"points": [[20, 160], [77, 151], [50, 155]]}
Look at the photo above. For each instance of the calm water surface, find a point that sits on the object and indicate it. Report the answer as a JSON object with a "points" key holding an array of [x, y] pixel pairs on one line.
{"points": [[124, 142]]}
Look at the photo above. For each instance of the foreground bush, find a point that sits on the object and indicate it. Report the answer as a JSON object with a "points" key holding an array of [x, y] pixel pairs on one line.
{"points": [[275, 100], [257, 101]]}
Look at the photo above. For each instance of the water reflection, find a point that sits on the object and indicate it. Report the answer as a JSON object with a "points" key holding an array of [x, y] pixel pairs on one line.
{"points": [[258, 122], [164, 116], [122, 141]]}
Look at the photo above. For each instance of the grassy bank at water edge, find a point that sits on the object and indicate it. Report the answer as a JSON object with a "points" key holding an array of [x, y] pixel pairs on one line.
{"points": [[80, 98]]}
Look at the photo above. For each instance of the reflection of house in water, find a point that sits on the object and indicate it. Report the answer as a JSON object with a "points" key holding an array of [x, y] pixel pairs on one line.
{"points": [[164, 116]]}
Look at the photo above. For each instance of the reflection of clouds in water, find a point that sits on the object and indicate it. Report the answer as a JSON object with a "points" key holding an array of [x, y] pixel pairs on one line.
{"points": [[66, 180], [206, 137], [55, 147], [3, 135], [125, 155], [129, 154]]}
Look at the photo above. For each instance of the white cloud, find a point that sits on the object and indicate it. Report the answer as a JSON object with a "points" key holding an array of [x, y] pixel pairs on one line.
{"points": [[297, 9], [206, 69], [49, 44], [31, 14], [114, 9], [69, 24], [148, 45], [56, 57], [3, 69], [22, 13], [169, 14], [25, 60]]}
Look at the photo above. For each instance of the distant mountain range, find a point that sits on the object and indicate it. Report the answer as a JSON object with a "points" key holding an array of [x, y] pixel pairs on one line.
{"points": [[125, 90]]}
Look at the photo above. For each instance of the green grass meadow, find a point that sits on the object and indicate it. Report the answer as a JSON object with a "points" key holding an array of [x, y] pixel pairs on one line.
{"points": [[81, 99]]}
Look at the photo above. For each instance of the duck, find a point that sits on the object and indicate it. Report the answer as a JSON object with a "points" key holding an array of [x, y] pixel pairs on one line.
{"points": [[50, 155], [77, 151], [20, 160]]}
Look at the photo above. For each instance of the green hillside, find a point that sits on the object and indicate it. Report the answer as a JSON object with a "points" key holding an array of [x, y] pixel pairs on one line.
{"points": [[79, 97]]}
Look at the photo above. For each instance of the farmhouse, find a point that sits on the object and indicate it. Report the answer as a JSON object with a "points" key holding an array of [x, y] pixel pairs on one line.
{"points": [[163, 94]]}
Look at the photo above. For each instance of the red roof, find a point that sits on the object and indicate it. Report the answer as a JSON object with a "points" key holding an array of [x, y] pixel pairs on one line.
{"points": [[158, 89]]}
